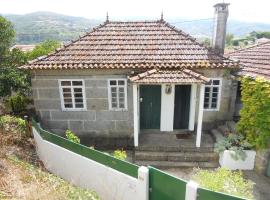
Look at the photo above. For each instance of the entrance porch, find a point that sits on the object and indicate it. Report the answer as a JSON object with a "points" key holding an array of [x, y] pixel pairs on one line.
{"points": [[165, 100]]}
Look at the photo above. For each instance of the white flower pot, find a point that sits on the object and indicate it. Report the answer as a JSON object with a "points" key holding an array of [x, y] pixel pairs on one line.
{"points": [[226, 160]]}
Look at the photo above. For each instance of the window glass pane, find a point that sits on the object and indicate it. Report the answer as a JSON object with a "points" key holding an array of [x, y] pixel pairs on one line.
{"points": [[66, 90], [76, 83], [78, 105], [213, 105], [121, 89], [206, 105], [215, 89], [215, 82], [78, 95], [78, 100], [67, 100], [121, 105], [113, 89], [68, 105], [66, 83], [207, 89], [77, 89], [214, 95], [121, 82], [121, 95], [67, 95], [114, 105], [112, 82]]}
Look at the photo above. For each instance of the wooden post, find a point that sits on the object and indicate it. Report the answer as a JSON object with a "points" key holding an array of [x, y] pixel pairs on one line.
{"points": [[200, 116], [192, 107], [135, 115]]}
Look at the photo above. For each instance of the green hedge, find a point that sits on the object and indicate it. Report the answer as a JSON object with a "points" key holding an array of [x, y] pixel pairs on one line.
{"points": [[254, 121]]}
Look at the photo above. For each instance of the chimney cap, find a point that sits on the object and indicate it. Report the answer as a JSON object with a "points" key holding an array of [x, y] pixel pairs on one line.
{"points": [[221, 5]]}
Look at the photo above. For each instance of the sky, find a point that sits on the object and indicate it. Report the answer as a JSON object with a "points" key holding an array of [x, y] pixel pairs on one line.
{"points": [[242, 10]]}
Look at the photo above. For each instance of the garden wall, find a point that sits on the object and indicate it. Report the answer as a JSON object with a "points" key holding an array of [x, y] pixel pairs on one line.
{"points": [[108, 183]]}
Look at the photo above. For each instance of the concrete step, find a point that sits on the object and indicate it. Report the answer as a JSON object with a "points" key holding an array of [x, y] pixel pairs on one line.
{"points": [[217, 135], [223, 129], [173, 149], [176, 156], [171, 164], [232, 126]]}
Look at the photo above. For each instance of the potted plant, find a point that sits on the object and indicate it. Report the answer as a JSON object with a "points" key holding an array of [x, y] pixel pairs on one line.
{"points": [[235, 153]]}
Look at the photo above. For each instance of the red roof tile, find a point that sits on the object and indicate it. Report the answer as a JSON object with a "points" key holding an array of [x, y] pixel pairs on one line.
{"points": [[181, 76], [147, 44], [255, 60]]}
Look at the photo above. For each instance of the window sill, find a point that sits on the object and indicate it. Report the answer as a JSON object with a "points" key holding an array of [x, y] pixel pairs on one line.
{"points": [[124, 109], [210, 109], [75, 109]]}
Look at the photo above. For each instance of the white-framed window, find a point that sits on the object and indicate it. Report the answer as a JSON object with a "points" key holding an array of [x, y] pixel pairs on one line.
{"points": [[212, 95], [117, 94], [72, 94]]}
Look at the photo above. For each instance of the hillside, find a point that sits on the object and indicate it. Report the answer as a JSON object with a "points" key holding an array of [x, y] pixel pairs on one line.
{"points": [[39, 26]]}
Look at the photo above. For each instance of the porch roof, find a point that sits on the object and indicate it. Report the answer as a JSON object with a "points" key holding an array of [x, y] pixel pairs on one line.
{"points": [[180, 76]]}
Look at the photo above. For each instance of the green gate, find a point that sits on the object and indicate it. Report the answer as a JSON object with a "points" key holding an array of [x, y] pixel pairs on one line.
{"points": [[163, 186]]}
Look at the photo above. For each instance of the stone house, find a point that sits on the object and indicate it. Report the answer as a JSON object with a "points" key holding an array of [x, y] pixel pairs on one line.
{"points": [[123, 78]]}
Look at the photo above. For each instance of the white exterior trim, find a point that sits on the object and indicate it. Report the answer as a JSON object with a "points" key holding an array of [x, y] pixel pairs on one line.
{"points": [[72, 94], [109, 94], [167, 108], [191, 190], [219, 96], [192, 108], [200, 116], [135, 115]]}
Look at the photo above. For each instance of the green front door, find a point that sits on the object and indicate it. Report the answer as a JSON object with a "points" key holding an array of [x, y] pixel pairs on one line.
{"points": [[150, 103]]}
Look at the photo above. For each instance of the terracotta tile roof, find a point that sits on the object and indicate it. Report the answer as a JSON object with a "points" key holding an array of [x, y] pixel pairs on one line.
{"points": [[146, 44], [255, 60], [180, 76]]}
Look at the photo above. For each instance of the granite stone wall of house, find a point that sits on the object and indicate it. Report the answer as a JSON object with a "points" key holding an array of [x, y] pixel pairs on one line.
{"points": [[97, 120]]}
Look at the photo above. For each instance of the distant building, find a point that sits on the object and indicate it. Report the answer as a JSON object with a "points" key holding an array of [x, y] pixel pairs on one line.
{"points": [[23, 47]]}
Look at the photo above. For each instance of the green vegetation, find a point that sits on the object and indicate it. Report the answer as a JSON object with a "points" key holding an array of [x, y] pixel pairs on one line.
{"points": [[120, 154], [234, 142], [13, 130], [254, 116], [16, 103], [225, 181], [41, 26], [43, 49], [72, 137]]}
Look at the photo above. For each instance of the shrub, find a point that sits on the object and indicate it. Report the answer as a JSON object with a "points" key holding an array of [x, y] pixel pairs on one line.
{"points": [[254, 116], [120, 154], [17, 103], [13, 128], [225, 181], [234, 142], [72, 137]]}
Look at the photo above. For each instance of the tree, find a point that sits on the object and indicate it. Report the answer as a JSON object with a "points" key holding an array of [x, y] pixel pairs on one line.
{"points": [[206, 42], [7, 35], [43, 49], [229, 39]]}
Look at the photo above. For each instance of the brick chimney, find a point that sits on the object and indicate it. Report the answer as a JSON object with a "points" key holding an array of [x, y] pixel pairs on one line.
{"points": [[220, 23]]}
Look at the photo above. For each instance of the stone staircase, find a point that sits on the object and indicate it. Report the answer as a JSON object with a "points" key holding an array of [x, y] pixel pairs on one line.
{"points": [[175, 159], [223, 130]]}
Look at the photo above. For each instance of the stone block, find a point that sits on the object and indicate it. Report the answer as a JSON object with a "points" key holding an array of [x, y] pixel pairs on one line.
{"points": [[95, 83], [124, 125], [73, 115], [76, 126], [99, 125], [96, 92], [35, 93], [47, 104], [45, 115], [38, 83], [51, 93], [97, 104], [112, 115], [55, 124]]}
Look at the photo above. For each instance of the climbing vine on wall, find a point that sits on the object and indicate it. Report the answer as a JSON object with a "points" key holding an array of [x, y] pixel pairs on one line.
{"points": [[254, 121]]}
